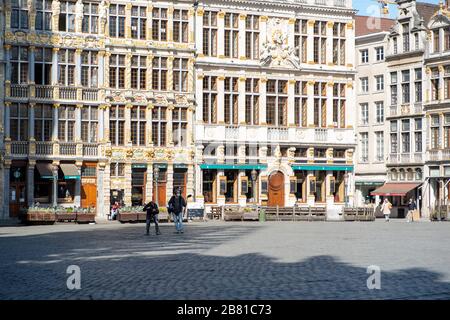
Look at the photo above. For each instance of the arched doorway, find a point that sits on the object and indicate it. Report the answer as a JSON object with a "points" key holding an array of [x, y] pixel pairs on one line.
{"points": [[276, 190]]}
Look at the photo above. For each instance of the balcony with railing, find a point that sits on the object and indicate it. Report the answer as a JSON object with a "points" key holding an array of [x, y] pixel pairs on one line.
{"points": [[19, 91], [90, 94], [68, 93], [439, 155], [232, 132], [19, 148], [393, 111], [68, 148], [320, 135], [90, 149], [277, 134], [44, 92], [44, 148], [394, 158]]}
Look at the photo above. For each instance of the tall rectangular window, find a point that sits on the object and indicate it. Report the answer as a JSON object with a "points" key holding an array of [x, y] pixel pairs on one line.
{"points": [[447, 131], [231, 37], [138, 122], [252, 37], [90, 18], [66, 67], [117, 169], [159, 24], [159, 73], [117, 71], [364, 85], [405, 35], [320, 42], [117, 20], [379, 137], [364, 138], [138, 22], [159, 124], [67, 16], [210, 99], [179, 127], [435, 84], [379, 53], [447, 82], [406, 136], [18, 122], [89, 124], [418, 85], [66, 123], [231, 100], [301, 103], [320, 104], [339, 38], [418, 134], [43, 66], [380, 112], [406, 94], [19, 65], [252, 101], [89, 69], [276, 104], [301, 39], [339, 102], [117, 125], [180, 74], [180, 26], [364, 113], [210, 33], [19, 14], [43, 122], [139, 72], [436, 40], [364, 56], [43, 15], [379, 83], [394, 136]]}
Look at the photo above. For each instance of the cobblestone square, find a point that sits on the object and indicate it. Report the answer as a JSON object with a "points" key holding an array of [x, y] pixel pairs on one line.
{"points": [[218, 260]]}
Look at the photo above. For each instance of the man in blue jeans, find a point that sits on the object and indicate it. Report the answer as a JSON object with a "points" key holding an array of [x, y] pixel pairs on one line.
{"points": [[177, 206]]}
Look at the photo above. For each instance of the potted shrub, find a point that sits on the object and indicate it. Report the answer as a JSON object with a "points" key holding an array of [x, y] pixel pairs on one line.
{"points": [[40, 215], [163, 214], [250, 213], [128, 214], [86, 215], [65, 214]]}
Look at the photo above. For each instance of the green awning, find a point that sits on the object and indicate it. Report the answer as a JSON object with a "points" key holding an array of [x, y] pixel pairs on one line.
{"points": [[160, 165], [45, 170], [138, 166], [321, 168], [70, 171], [234, 166], [180, 166]]}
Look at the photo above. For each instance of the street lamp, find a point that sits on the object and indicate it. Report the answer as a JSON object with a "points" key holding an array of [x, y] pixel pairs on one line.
{"points": [[345, 189], [254, 175], [156, 177]]}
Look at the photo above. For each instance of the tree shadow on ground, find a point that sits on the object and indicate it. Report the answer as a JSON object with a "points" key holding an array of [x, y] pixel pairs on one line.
{"points": [[125, 264]]}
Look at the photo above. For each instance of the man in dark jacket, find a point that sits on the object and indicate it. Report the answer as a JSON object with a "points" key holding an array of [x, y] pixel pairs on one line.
{"points": [[177, 206], [152, 215]]}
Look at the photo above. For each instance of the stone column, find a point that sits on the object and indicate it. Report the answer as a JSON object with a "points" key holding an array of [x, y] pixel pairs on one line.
{"points": [[7, 192], [220, 100], [170, 73], [198, 191], [8, 63], [291, 103], [56, 9], [55, 66], [191, 72], [106, 122], [77, 133], [350, 117], [31, 134], [329, 197], [30, 182], [148, 128], [262, 29], [241, 37], [101, 68], [106, 74], [79, 16], [106, 188], [127, 187], [77, 198], [128, 124], [262, 101], [128, 71], [220, 34], [169, 183], [329, 53], [198, 37], [310, 105], [190, 181], [7, 122], [310, 42], [190, 126], [55, 122], [350, 45], [102, 207], [101, 123], [170, 24], [149, 79], [128, 21], [31, 59], [291, 33], [191, 23], [310, 196], [220, 198], [241, 100], [169, 127], [55, 183], [242, 199], [149, 22]]}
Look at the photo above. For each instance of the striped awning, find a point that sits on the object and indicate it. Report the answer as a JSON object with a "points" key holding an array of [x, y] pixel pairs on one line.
{"points": [[395, 189], [70, 171], [45, 170]]}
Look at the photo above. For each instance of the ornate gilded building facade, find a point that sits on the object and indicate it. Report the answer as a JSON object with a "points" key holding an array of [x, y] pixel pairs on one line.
{"points": [[237, 102], [97, 95], [275, 103]]}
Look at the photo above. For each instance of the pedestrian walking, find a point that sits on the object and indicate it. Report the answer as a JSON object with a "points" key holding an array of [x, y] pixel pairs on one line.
{"points": [[411, 209], [386, 209], [177, 207], [152, 216]]}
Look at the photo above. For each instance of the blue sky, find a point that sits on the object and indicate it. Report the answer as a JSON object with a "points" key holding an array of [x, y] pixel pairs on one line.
{"points": [[371, 7]]}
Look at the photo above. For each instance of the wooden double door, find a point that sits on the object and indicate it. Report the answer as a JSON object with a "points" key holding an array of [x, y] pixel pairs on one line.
{"points": [[276, 190], [88, 195]]}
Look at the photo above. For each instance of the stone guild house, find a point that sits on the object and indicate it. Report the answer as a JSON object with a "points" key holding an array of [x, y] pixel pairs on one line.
{"points": [[236, 102]]}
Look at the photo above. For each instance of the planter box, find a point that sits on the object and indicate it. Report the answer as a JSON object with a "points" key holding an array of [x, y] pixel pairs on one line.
{"points": [[38, 217], [86, 217], [163, 216], [251, 216], [127, 217], [142, 217], [66, 216]]}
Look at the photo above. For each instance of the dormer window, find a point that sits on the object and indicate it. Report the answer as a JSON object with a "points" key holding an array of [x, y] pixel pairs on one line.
{"points": [[437, 47], [406, 46], [395, 45]]}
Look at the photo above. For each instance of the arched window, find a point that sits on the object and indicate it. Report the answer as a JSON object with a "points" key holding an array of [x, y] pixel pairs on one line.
{"points": [[402, 174], [394, 175], [418, 174], [409, 175]]}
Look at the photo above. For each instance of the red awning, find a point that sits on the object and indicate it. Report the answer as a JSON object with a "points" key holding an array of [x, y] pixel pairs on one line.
{"points": [[395, 189]]}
